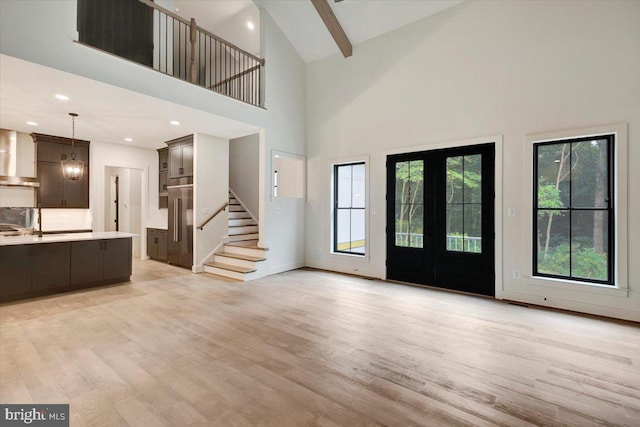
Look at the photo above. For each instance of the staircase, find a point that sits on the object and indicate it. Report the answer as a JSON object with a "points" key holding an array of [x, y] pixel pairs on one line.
{"points": [[240, 255]]}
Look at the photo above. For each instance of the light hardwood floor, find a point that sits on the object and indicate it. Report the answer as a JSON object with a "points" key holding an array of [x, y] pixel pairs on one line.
{"points": [[312, 348]]}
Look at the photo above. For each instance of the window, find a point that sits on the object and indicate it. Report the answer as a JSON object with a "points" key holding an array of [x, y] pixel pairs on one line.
{"points": [[464, 203], [349, 208], [410, 204], [573, 209]]}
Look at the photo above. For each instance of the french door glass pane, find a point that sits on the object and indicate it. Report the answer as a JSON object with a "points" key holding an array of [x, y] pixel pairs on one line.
{"points": [[473, 179], [455, 228], [416, 227], [409, 215], [464, 208], [416, 178], [473, 227], [589, 245], [454, 179], [553, 242]]}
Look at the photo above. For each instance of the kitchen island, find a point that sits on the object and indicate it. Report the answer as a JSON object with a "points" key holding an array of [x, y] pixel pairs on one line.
{"points": [[34, 266]]}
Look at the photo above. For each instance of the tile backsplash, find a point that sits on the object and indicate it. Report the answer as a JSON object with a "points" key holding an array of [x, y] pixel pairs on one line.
{"points": [[66, 219]]}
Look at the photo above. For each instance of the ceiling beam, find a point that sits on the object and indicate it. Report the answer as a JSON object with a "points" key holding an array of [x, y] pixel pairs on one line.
{"points": [[334, 27]]}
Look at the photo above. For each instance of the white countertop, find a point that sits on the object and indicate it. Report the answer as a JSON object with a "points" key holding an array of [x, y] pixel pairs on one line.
{"points": [[158, 226], [70, 237]]}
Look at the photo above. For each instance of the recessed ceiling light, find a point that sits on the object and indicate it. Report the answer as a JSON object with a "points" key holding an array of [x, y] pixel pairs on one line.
{"points": [[129, 139], [62, 97], [175, 122], [250, 25], [30, 123]]}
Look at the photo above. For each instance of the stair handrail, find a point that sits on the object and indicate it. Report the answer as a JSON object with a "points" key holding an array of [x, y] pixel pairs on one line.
{"points": [[201, 226]]}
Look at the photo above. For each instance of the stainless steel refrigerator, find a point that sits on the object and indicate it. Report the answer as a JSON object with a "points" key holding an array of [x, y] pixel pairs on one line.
{"points": [[180, 238]]}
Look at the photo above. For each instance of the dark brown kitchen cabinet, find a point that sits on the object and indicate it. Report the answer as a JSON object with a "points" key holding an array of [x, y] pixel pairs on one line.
{"points": [[15, 270], [157, 244], [163, 159], [116, 259], [50, 265], [44, 268], [181, 157], [163, 178], [95, 261], [33, 268], [54, 190]]}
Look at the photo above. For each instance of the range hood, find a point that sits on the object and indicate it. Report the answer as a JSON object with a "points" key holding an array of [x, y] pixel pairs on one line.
{"points": [[11, 165]]}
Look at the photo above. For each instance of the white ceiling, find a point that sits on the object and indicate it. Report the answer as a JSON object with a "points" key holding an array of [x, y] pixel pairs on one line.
{"points": [[106, 113], [361, 20]]}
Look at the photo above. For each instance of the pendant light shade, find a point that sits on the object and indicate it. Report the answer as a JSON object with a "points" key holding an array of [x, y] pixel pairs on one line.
{"points": [[73, 169]]}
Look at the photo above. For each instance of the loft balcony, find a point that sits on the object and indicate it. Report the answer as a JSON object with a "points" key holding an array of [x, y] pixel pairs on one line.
{"points": [[150, 35]]}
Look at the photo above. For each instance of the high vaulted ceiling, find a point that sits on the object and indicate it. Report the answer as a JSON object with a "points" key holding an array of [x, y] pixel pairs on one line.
{"points": [[361, 20]]}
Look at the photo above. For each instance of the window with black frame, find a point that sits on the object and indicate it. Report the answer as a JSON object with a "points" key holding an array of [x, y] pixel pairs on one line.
{"points": [[349, 208], [573, 209]]}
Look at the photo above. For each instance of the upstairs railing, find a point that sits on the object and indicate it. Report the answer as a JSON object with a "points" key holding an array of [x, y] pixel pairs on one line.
{"points": [[187, 51], [153, 36]]}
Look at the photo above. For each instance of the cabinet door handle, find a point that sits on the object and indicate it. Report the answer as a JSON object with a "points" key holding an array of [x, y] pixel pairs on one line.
{"points": [[175, 220], [181, 171]]}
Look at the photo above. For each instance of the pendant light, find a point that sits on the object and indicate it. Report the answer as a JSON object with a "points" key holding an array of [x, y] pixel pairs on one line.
{"points": [[73, 169]]}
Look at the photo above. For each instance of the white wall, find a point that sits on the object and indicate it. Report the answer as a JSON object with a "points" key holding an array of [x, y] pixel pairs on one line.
{"points": [[244, 171], [478, 69], [120, 156], [211, 191], [284, 219], [129, 203]]}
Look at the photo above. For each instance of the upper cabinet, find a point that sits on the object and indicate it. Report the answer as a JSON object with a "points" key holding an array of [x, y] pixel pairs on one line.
{"points": [[163, 177], [54, 190], [181, 157]]}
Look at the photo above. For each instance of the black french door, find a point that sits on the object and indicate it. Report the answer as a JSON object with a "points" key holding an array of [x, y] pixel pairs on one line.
{"points": [[440, 218]]}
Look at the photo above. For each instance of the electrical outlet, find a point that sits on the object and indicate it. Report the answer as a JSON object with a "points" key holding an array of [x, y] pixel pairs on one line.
{"points": [[511, 212], [516, 274]]}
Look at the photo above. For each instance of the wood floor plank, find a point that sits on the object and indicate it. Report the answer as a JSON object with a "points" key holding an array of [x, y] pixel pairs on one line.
{"points": [[313, 348]]}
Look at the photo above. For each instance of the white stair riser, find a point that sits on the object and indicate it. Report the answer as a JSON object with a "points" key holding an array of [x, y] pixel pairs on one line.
{"points": [[245, 251], [235, 222], [235, 261], [241, 237], [233, 215], [225, 273], [236, 208], [246, 229]]}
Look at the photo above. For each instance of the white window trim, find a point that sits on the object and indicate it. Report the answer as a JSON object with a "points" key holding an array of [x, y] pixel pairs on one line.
{"points": [[367, 191], [621, 284]]}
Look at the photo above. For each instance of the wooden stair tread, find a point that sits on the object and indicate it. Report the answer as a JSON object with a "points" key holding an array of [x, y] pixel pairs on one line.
{"points": [[243, 225], [240, 256], [249, 244], [230, 267]]}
